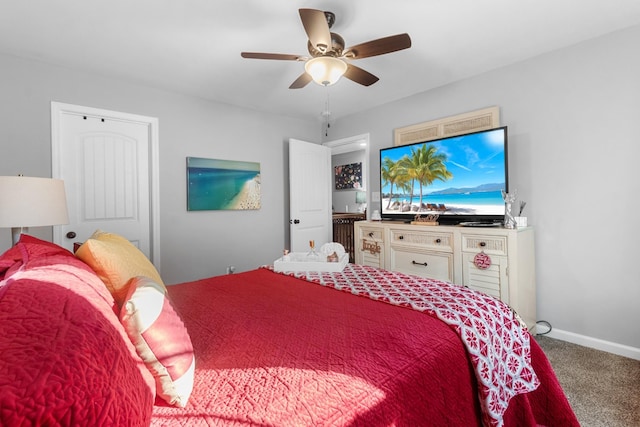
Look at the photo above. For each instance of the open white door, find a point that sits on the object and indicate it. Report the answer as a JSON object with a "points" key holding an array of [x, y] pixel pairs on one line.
{"points": [[309, 194]]}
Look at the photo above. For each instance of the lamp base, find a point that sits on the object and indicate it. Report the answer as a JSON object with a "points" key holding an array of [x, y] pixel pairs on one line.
{"points": [[16, 232]]}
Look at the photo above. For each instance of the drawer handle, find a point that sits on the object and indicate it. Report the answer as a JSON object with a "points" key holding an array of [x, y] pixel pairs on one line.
{"points": [[371, 234], [419, 263], [438, 241], [400, 237], [483, 244]]}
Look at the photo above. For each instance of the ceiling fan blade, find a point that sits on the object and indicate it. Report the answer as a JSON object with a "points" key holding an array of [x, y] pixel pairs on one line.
{"points": [[379, 46], [301, 81], [277, 56], [317, 29], [359, 75]]}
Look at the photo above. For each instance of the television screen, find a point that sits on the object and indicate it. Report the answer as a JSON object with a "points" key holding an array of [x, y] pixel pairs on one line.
{"points": [[460, 178]]}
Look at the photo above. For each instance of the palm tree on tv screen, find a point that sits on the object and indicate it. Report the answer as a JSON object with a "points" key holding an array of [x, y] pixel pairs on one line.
{"points": [[432, 167], [423, 166], [390, 171]]}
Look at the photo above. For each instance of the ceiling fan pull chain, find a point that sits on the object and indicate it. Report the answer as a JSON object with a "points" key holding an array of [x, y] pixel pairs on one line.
{"points": [[327, 114]]}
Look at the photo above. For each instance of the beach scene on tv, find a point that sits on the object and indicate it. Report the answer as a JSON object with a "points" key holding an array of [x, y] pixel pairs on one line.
{"points": [[456, 176], [215, 184]]}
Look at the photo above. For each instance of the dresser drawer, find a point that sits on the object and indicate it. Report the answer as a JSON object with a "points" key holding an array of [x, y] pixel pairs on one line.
{"points": [[493, 245], [432, 240], [371, 233], [434, 265]]}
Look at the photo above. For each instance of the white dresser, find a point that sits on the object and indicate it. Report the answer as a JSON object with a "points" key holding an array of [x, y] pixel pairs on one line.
{"points": [[494, 260]]}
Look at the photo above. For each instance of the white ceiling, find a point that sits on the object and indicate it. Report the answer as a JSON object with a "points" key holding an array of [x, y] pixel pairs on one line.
{"points": [[193, 46]]}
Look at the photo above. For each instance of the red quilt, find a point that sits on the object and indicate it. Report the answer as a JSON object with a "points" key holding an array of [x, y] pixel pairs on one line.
{"points": [[64, 357], [274, 350], [494, 336]]}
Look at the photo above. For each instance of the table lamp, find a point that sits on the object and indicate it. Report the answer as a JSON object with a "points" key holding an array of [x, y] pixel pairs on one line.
{"points": [[31, 202]]}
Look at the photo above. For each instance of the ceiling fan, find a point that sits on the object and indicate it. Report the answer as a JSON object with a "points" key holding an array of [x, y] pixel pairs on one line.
{"points": [[329, 59]]}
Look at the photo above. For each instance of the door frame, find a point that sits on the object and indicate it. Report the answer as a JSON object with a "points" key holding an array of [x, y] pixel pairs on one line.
{"points": [[59, 108], [355, 143]]}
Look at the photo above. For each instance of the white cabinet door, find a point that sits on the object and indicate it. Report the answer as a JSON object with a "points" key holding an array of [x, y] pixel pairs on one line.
{"points": [[492, 280], [369, 245]]}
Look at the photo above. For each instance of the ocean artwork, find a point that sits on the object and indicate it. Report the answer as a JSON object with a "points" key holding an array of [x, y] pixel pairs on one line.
{"points": [[214, 184]]}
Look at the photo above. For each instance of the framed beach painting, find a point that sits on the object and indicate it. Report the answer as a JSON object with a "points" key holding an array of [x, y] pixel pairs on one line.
{"points": [[349, 176], [214, 184]]}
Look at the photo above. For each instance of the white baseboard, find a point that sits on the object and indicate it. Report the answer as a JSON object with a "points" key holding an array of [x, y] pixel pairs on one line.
{"points": [[598, 344]]}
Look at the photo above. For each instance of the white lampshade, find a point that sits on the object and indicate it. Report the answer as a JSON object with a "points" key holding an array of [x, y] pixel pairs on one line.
{"points": [[325, 70], [31, 202]]}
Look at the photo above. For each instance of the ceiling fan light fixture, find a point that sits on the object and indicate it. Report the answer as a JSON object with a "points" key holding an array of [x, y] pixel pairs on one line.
{"points": [[325, 70]]}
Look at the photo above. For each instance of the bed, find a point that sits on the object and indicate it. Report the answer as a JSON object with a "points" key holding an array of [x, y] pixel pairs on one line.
{"points": [[362, 347]]}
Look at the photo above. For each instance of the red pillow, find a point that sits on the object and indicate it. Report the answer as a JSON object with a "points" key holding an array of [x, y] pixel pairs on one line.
{"points": [[29, 248]]}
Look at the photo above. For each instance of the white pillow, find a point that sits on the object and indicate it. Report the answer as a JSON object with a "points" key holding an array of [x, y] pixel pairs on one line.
{"points": [[160, 338]]}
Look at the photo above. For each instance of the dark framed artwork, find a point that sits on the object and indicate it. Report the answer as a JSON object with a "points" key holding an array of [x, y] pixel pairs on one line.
{"points": [[214, 184], [348, 176]]}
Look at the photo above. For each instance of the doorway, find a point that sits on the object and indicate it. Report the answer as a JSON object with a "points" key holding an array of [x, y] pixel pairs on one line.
{"points": [[354, 149], [350, 188]]}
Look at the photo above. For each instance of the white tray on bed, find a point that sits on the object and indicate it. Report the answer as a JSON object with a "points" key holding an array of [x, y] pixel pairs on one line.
{"points": [[298, 261]]}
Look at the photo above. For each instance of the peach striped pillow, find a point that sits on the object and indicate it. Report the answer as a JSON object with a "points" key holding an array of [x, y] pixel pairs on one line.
{"points": [[160, 338]]}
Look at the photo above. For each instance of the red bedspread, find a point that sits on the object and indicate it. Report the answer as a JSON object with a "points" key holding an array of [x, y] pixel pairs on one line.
{"points": [[64, 357], [496, 340], [273, 350]]}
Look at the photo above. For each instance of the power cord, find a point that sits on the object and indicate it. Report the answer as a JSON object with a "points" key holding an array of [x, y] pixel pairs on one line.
{"points": [[545, 323]]}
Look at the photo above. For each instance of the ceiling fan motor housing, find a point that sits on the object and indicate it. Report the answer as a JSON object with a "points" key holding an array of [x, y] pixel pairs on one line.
{"points": [[337, 47], [331, 18]]}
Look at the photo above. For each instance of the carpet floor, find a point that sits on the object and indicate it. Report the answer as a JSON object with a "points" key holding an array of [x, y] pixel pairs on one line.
{"points": [[603, 388]]}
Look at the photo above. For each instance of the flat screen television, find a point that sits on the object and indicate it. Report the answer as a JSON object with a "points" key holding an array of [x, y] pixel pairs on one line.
{"points": [[460, 178]]}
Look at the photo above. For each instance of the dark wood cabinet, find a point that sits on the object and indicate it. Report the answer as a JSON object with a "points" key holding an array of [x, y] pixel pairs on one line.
{"points": [[343, 230]]}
